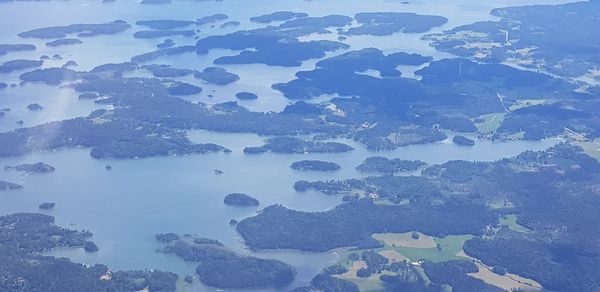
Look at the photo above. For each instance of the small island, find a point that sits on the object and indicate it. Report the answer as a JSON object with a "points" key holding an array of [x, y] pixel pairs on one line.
{"points": [[155, 2], [88, 95], [50, 76], [82, 30], [229, 24], [388, 23], [315, 165], [165, 24], [46, 206], [246, 95], [70, 63], [145, 57], [277, 16], [35, 107], [90, 246], [295, 145], [167, 43], [321, 22], [240, 199], [166, 237], [7, 48], [20, 64], [38, 167], [152, 147], [166, 71], [257, 46], [463, 141], [181, 88], [389, 166], [211, 19], [63, 42], [6, 186], [150, 34], [217, 75]]}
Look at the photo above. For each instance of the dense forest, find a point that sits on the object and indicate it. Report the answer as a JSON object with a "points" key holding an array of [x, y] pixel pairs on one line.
{"points": [[221, 267], [459, 197], [523, 73], [23, 236], [352, 223]]}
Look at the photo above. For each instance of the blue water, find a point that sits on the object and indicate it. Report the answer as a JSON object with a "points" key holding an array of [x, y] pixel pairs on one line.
{"points": [[126, 206]]}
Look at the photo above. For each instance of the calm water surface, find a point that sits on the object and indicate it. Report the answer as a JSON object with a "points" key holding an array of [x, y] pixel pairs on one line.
{"points": [[138, 198]]}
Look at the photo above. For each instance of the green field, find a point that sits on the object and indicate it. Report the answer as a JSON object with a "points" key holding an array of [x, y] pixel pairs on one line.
{"points": [[491, 122], [590, 148], [511, 222], [500, 204], [368, 284], [450, 246], [526, 103]]}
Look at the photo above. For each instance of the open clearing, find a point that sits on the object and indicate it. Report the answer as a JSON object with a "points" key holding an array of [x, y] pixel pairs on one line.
{"points": [[351, 273], [590, 148], [511, 222], [393, 255], [371, 283], [526, 103], [506, 282], [449, 247], [406, 240], [491, 122]]}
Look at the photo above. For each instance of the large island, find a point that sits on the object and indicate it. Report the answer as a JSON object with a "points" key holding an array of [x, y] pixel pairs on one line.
{"points": [[221, 267]]}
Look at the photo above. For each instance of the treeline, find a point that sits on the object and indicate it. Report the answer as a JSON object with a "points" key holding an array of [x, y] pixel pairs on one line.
{"points": [[380, 164], [296, 145], [454, 273], [33, 232], [352, 223], [315, 165], [112, 139]]}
